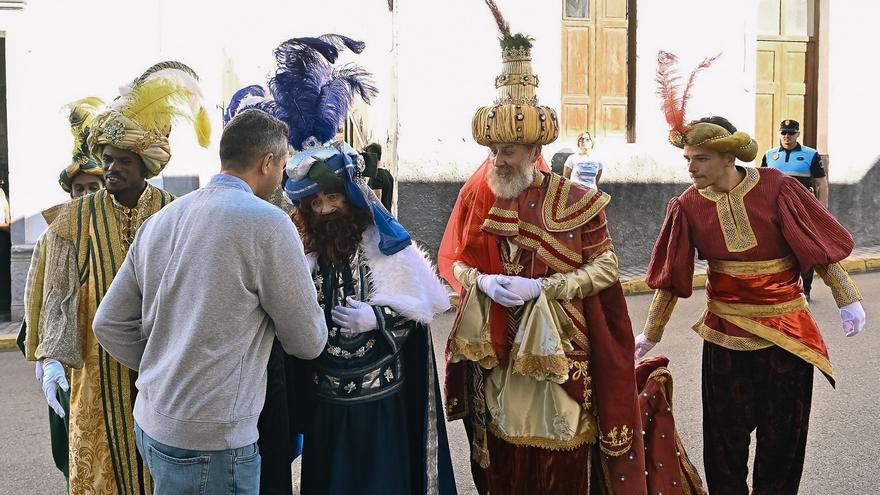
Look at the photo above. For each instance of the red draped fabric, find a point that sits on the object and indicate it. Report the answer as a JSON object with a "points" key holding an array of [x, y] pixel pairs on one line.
{"points": [[608, 330], [465, 241]]}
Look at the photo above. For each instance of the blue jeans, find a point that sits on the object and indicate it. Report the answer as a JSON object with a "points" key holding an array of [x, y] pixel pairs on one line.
{"points": [[194, 472]]}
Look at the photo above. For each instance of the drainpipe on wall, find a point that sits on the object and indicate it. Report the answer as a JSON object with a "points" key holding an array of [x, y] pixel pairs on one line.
{"points": [[394, 121]]}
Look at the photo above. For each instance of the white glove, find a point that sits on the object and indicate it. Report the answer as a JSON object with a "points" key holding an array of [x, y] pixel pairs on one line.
{"points": [[53, 377], [643, 345], [852, 318], [526, 288], [495, 286], [357, 317]]}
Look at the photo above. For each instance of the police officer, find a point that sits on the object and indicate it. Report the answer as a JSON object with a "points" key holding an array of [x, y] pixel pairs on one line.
{"points": [[804, 164]]}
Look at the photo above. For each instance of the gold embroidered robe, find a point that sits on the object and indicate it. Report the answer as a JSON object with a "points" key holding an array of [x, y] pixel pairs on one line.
{"points": [[72, 268]]}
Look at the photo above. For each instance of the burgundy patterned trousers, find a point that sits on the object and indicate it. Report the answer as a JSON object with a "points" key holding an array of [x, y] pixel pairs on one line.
{"points": [[767, 390]]}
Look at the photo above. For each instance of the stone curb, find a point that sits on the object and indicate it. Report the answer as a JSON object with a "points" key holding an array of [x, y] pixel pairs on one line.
{"points": [[7, 343]]}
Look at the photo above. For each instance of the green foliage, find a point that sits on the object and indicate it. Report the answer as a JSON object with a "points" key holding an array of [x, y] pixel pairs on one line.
{"points": [[513, 41]]}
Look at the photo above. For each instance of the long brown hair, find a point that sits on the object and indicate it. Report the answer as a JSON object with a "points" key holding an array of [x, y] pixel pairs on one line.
{"points": [[335, 237]]}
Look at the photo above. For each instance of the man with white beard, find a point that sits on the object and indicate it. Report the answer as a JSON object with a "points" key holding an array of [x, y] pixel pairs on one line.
{"points": [[539, 363]]}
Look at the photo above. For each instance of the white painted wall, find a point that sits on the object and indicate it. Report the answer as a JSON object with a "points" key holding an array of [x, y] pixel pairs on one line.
{"points": [[443, 83], [449, 57], [693, 30], [61, 50], [854, 79]]}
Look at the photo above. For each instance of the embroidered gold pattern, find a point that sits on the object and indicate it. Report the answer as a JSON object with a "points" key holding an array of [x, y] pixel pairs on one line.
{"points": [[129, 220], [91, 470], [581, 372], [578, 316], [728, 341], [752, 267], [842, 286], [512, 268], [552, 368], [617, 441], [478, 352], [556, 211], [510, 263], [732, 214], [504, 228], [659, 313], [571, 261], [501, 212], [146, 140], [576, 441], [758, 310]]}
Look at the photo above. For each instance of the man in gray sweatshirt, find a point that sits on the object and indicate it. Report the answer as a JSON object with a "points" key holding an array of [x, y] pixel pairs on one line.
{"points": [[207, 284]]}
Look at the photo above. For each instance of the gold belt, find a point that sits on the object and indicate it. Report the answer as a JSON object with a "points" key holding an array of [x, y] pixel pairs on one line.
{"points": [[752, 267], [757, 310]]}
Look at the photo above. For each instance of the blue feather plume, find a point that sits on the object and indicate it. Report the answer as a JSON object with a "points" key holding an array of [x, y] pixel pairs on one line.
{"points": [[311, 96], [340, 41], [253, 96]]}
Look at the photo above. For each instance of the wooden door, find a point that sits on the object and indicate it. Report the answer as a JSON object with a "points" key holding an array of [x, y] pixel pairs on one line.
{"points": [[783, 51], [595, 45], [611, 69], [780, 90]]}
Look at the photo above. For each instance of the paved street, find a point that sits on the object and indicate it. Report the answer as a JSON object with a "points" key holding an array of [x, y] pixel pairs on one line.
{"points": [[841, 455]]}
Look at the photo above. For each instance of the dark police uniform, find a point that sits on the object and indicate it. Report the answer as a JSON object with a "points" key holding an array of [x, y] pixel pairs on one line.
{"points": [[801, 162]]}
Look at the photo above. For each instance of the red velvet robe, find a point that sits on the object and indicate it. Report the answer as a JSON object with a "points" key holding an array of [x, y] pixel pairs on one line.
{"points": [[577, 232]]}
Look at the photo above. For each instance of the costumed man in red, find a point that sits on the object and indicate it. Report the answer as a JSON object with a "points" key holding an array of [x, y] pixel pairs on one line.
{"points": [[759, 230], [539, 357]]}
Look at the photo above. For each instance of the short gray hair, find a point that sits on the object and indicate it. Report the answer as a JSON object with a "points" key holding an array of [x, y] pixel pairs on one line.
{"points": [[250, 135]]}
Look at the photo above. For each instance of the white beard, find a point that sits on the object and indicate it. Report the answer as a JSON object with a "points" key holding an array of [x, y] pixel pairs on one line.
{"points": [[513, 186]]}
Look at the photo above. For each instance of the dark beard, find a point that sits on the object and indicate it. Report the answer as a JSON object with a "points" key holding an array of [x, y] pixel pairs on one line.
{"points": [[334, 237]]}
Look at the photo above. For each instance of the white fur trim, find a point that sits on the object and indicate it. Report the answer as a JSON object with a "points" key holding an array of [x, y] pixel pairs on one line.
{"points": [[406, 281], [312, 258]]}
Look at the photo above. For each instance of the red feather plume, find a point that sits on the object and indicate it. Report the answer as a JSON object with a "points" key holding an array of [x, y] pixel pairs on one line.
{"points": [[667, 90], [685, 96], [503, 26], [674, 106]]}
